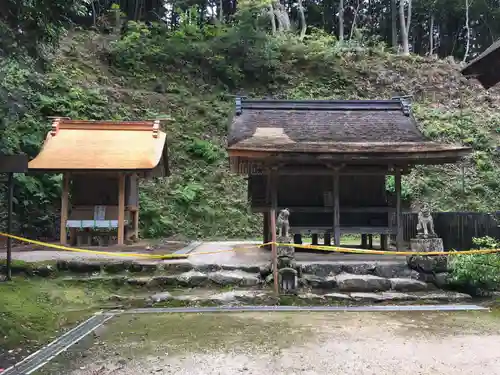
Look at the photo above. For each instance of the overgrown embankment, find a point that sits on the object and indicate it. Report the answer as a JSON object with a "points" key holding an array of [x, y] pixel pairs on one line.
{"points": [[190, 76]]}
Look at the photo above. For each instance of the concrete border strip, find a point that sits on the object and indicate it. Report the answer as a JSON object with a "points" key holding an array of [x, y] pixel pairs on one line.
{"points": [[41, 357], [189, 248], [373, 308]]}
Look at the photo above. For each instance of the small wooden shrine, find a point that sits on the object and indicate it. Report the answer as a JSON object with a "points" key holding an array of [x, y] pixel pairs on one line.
{"points": [[327, 162], [486, 67], [101, 163]]}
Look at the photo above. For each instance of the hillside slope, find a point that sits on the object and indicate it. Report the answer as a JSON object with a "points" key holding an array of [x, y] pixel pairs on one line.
{"points": [[186, 78]]}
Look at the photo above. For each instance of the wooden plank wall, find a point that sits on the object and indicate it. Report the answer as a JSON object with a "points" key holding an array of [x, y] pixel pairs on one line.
{"points": [[457, 229]]}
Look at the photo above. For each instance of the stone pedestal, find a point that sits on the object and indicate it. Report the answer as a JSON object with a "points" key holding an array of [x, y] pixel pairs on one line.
{"points": [[285, 251], [426, 245], [427, 265], [288, 272]]}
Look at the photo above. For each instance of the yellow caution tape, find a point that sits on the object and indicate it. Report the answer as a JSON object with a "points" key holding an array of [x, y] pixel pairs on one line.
{"points": [[311, 247], [66, 248], [387, 252], [135, 255]]}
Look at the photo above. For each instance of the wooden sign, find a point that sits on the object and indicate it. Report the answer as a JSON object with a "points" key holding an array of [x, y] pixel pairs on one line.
{"points": [[13, 163]]}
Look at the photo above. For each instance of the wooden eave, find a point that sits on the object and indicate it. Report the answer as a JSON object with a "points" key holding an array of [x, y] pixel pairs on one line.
{"points": [[414, 157], [102, 146]]}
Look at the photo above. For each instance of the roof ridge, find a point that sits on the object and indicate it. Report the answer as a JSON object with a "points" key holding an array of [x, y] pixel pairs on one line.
{"points": [[66, 123], [402, 103]]}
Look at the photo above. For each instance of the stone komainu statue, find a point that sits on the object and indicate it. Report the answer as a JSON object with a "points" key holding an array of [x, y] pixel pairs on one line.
{"points": [[425, 226], [282, 222]]}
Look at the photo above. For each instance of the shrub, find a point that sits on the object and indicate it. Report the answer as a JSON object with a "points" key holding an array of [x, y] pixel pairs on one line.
{"points": [[477, 272]]}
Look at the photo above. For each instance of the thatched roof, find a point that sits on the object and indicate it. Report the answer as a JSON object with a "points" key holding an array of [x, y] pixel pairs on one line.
{"points": [[329, 126], [78, 145], [486, 67]]}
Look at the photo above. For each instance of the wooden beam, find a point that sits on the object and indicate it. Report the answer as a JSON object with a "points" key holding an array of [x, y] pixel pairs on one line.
{"points": [[316, 171], [306, 170], [399, 219], [336, 207], [274, 206], [316, 209], [64, 208], [121, 209], [347, 230]]}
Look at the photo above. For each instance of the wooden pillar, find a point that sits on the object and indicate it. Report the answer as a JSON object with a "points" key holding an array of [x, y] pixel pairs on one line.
{"points": [[383, 241], [314, 238], [10, 201], [363, 241], [328, 239], [121, 209], [336, 208], [136, 224], [297, 239], [399, 221], [64, 208], [274, 207], [370, 241], [265, 229]]}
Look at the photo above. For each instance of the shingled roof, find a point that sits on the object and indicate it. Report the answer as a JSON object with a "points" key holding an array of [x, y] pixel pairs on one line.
{"points": [[331, 127], [486, 67], [81, 145]]}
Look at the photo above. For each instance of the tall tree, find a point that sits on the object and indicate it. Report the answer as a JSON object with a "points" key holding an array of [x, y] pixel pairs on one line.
{"points": [[394, 27], [405, 25], [467, 32], [303, 24], [341, 20]]}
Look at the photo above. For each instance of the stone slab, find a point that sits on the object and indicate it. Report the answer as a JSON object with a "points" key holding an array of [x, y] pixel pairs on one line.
{"points": [[362, 283], [408, 285]]}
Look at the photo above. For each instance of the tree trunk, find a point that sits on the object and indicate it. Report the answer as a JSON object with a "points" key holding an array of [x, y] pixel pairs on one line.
{"points": [[303, 24], [221, 11], [408, 19], [282, 17], [404, 26], [467, 30], [341, 20], [431, 35], [273, 18], [394, 26], [354, 20]]}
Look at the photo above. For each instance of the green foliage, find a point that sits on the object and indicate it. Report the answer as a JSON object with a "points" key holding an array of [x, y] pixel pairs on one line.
{"points": [[405, 187], [30, 26], [29, 97], [189, 72], [479, 272], [205, 150]]}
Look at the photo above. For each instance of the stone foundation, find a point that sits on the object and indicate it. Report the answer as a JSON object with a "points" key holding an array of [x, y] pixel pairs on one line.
{"points": [[432, 269], [426, 244]]}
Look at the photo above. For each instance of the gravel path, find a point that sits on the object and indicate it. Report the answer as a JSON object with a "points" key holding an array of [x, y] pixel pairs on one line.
{"points": [[296, 343]]}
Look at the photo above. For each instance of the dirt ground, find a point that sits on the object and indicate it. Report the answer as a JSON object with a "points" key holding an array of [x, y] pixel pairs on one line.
{"points": [[290, 343]]}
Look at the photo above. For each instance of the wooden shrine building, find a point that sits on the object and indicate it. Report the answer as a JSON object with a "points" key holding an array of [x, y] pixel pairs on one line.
{"points": [[101, 162], [327, 162], [486, 67]]}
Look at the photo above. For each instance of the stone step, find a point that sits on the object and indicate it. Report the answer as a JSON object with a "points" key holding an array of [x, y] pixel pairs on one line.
{"points": [[346, 282], [387, 269], [267, 297], [189, 279]]}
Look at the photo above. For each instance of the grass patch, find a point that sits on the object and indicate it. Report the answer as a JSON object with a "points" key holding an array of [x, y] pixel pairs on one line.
{"points": [[35, 310], [136, 335]]}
